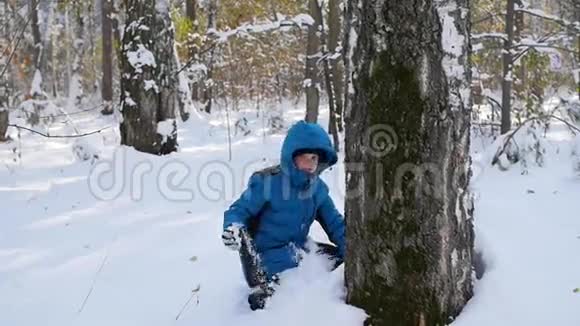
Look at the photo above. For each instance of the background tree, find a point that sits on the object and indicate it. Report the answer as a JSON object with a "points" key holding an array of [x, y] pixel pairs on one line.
{"points": [[149, 87], [107, 55], [409, 230], [313, 54], [507, 58], [334, 36], [211, 32], [536, 43]]}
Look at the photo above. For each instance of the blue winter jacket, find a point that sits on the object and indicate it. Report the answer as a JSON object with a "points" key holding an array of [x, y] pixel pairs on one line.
{"points": [[281, 203]]}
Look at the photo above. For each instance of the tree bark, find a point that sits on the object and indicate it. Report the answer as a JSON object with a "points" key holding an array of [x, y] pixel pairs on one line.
{"points": [[519, 82], [191, 9], [38, 48], [407, 117], [211, 27], [312, 82], [330, 87], [3, 122], [5, 77], [149, 86], [507, 57], [334, 25], [76, 86], [107, 56]]}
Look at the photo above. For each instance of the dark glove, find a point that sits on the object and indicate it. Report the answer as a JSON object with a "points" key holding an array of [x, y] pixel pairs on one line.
{"points": [[231, 237]]}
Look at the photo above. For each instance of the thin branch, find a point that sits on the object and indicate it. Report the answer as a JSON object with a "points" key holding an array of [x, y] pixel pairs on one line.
{"points": [[509, 137], [543, 46], [542, 39], [571, 126], [94, 281], [512, 134], [493, 124], [193, 59], [193, 293], [560, 21], [481, 20], [58, 136], [68, 114], [491, 99], [16, 46], [492, 36], [222, 37]]}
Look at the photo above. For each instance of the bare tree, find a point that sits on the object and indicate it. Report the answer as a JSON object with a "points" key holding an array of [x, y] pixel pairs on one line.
{"points": [[311, 82], [39, 59], [407, 118], [334, 28], [211, 30], [76, 86], [330, 85], [191, 12], [5, 72], [507, 58], [3, 123], [107, 56], [149, 84]]}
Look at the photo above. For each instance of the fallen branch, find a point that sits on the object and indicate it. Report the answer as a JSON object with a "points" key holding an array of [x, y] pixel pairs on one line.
{"points": [[510, 136], [193, 294], [94, 281], [68, 114], [58, 136]]}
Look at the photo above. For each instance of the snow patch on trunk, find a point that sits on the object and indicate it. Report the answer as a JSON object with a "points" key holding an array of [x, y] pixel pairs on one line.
{"points": [[166, 128], [453, 43], [36, 87], [140, 58]]}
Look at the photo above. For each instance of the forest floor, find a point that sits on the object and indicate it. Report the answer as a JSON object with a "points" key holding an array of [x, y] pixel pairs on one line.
{"points": [[93, 243]]}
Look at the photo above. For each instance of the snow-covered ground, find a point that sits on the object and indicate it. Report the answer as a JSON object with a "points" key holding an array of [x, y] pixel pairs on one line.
{"points": [[132, 239]]}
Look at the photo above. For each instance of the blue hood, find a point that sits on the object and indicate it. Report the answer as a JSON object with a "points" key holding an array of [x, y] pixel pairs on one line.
{"points": [[305, 135]]}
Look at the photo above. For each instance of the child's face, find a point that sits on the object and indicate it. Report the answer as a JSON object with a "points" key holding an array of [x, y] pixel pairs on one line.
{"points": [[306, 162]]}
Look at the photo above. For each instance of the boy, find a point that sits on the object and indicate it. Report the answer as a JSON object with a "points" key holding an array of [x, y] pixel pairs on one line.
{"points": [[278, 208]]}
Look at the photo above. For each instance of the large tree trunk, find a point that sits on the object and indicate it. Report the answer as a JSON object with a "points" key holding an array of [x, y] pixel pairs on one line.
{"points": [[312, 82], [408, 207], [107, 56], [334, 60], [149, 87], [507, 57]]}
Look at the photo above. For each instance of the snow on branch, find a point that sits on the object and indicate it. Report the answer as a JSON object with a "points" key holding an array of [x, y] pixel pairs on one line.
{"points": [[540, 45], [542, 42], [510, 136], [482, 36], [541, 14], [301, 20]]}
